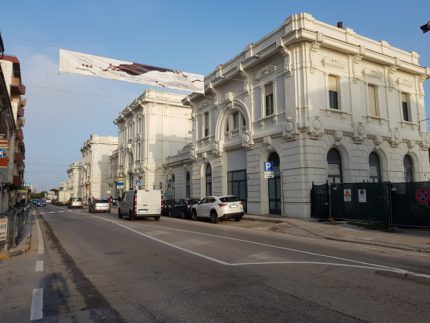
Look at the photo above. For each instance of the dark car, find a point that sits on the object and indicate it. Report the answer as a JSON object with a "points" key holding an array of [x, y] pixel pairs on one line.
{"points": [[182, 208], [38, 202], [166, 207]]}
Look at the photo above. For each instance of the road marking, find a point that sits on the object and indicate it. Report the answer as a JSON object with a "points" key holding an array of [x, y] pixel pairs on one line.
{"points": [[167, 243], [37, 305], [356, 264], [39, 265], [41, 247], [157, 233]]}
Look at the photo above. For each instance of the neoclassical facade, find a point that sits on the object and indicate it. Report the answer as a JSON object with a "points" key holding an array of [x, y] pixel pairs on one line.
{"points": [[152, 127], [96, 177], [74, 179], [320, 102]]}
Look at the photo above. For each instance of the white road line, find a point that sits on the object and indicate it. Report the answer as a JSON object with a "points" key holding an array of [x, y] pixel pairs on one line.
{"points": [[169, 244], [359, 264], [41, 247], [39, 266], [37, 305]]}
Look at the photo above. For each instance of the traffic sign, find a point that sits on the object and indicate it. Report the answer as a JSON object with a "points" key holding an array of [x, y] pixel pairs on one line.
{"points": [[268, 169]]}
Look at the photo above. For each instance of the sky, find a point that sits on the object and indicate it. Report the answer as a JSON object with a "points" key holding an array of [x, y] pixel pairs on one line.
{"points": [[63, 110]]}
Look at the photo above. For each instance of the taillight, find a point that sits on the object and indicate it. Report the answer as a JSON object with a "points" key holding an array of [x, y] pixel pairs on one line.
{"points": [[222, 204]]}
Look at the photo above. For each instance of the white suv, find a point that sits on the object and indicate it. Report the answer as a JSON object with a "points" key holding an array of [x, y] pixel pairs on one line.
{"points": [[216, 207]]}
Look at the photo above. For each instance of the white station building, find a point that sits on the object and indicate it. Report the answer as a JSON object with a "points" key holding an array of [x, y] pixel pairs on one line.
{"points": [[320, 102], [152, 127]]}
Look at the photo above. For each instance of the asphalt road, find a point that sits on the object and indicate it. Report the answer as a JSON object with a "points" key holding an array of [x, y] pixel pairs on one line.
{"points": [[102, 269]]}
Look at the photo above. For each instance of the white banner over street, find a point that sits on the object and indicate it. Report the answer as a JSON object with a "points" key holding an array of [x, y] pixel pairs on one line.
{"points": [[86, 64]]}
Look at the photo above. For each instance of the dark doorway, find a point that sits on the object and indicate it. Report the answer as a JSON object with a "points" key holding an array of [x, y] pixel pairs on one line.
{"points": [[275, 192], [237, 185]]}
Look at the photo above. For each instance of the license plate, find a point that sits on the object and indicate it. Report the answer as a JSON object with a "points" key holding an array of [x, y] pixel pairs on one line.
{"points": [[233, 206], [143, 211]]}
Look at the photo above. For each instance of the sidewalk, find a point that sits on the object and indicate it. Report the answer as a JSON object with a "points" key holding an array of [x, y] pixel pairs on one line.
{"points": [[402, 238]]}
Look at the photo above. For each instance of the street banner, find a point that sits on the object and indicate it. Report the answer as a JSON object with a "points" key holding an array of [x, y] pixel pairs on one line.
{"points": [[90, 65]]}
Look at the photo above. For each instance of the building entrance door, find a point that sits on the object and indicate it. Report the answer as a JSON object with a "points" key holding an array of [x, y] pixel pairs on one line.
{"points": [[275, 192], [237, 185]]}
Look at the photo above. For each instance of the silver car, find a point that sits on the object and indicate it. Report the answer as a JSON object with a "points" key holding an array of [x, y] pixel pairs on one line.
{"points": [[218, 207], [99, 205]]}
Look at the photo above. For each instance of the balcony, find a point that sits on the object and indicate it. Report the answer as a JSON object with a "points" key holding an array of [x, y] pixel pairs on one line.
{"points": [[19, 158], [17, 181], [16, 87], [19, 135], [20, 112], [23, 102]]}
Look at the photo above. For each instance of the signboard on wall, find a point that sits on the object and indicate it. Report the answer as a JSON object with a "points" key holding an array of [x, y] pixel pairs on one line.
{"points": [[347, 195], [362, 197], [268, 169]]}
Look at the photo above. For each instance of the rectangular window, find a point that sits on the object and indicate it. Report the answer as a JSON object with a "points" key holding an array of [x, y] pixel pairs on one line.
{"points": [[373, 100], [333, 92], [268, 92], [206, 123], [405, 107]]}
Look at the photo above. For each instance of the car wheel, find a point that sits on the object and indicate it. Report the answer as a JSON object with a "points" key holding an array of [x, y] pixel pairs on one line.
{"points": [[156, 218], [238, 218], [214, 217], [194, 215], [183, 215], [130, 216], [119, 214]]}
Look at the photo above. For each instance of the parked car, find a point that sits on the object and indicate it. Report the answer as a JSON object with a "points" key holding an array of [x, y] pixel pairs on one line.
{"points": [[99, 205], [166, 207], [75, 202], [182, 208], [38, 202], [218, 207], [140, 203]]}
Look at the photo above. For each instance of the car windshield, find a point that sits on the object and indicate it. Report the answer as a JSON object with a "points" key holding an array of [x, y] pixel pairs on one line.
{"points": [[230, 198], [102, 201], [76, 199], [193, 201]]}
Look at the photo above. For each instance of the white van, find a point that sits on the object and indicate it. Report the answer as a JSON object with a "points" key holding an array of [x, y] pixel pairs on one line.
{"points": [[140, 203]]}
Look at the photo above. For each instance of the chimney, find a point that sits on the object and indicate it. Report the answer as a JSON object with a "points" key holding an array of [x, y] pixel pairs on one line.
{"points": [[340, 25]]}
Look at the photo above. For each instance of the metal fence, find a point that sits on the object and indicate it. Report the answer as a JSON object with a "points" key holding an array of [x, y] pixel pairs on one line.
{"points": [[17, 219], [402, 204]]}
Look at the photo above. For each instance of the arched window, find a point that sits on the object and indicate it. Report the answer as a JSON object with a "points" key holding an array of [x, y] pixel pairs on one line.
{"points": [[188, 185], [408, 165], [374, 168], [208, 179], [334, 162]]}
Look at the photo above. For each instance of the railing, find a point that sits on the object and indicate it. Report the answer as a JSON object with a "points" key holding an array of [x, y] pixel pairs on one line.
{"points": [[17, 220]]}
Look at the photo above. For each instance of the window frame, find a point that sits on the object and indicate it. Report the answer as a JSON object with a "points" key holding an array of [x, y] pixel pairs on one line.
{"points": [[333, 95]]}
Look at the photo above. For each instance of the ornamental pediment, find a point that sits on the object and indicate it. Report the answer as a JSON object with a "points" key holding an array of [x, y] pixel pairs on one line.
{"points": [[333, 62], [372, 73], [265, 71], [404, 82]]}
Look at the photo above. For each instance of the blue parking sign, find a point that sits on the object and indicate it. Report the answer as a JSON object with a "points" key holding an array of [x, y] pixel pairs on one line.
{"points": [[1, 153], [268, 166]]}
